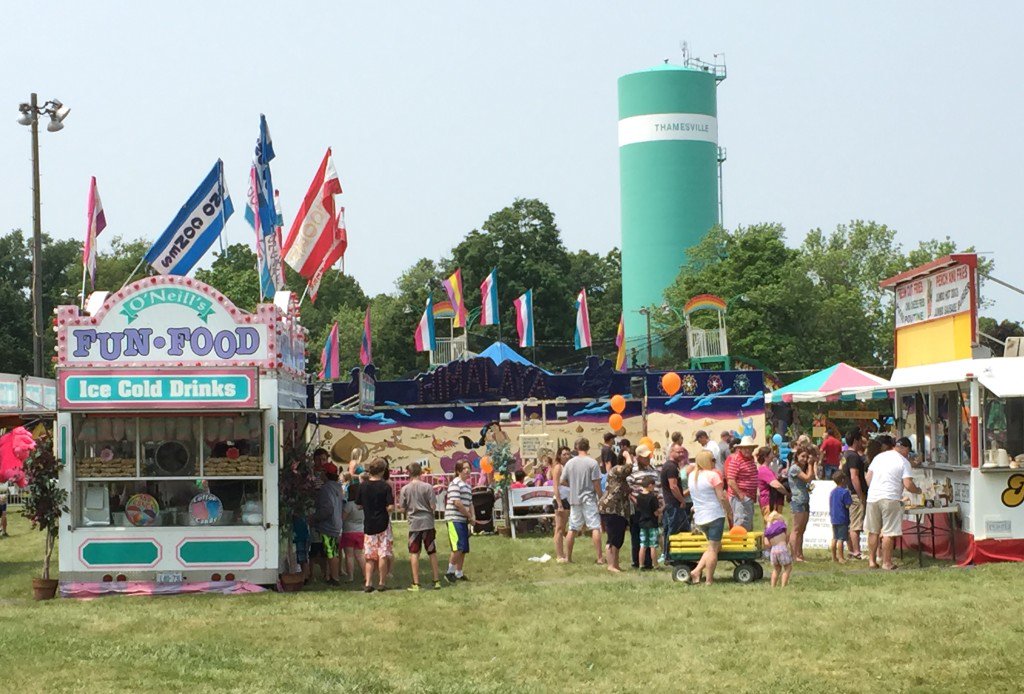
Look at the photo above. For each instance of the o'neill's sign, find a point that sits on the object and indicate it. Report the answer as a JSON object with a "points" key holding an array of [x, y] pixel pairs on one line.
{"points": [[167, 321]]}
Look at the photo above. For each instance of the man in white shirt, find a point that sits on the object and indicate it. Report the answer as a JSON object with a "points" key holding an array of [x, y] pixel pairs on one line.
{"points": [[888, 476], [582, 475], [713, 447]]}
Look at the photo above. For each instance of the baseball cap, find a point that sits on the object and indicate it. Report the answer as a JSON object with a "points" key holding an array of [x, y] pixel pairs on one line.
{"points": [[886, 440], [905, 442], [330, 469], [700, 433], [643, 451]]}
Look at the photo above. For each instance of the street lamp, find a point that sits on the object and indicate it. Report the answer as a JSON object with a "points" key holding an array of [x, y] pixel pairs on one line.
{"points": [[30, 114]]}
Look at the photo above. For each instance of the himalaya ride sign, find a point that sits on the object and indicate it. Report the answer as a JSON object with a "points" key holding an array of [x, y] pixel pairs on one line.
{"points": [[938, 295], [114, 389], [167, 321]]}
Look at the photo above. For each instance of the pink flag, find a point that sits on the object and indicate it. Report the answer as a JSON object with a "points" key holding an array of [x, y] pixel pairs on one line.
{"points": [[314, 231], [582, 336], [330, 364], [97, 223], [366, 346]]}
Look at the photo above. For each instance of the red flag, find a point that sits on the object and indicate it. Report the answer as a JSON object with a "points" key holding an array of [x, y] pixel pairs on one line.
{"points": [[336, 252], [314, 231]]}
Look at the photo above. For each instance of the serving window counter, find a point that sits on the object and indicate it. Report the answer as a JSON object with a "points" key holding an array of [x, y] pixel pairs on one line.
{"points": [[967, 419]]}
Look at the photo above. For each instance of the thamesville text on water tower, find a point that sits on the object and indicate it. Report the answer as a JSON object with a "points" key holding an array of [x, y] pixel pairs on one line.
{"points": [[669, 176]]}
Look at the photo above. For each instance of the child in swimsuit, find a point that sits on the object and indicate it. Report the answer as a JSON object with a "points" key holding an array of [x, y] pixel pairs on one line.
{"points": [[778, 540]]}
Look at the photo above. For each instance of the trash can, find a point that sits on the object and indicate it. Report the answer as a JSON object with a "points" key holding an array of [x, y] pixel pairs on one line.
{"points": [[483, 506]]}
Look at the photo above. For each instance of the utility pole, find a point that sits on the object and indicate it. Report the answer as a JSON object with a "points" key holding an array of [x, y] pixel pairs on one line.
{"points": [[646, 312], [37, 250], [30, 113]]}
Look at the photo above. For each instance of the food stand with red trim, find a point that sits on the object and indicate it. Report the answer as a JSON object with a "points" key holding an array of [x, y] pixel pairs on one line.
{"points": [[965, 411], [172, 408]]}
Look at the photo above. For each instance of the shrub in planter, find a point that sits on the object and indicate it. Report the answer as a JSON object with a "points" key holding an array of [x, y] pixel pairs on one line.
{"points": [[45, 504], [297, 488]]}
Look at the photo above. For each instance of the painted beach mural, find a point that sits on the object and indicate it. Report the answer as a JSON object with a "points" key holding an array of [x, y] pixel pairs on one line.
{"points": [[437, 418]]}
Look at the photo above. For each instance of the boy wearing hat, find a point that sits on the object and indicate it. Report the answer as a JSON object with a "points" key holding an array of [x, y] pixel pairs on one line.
{"points": [[741, 479]]}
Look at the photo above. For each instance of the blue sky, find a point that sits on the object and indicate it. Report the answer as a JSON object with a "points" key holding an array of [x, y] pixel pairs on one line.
{"points": [[441, 113]]}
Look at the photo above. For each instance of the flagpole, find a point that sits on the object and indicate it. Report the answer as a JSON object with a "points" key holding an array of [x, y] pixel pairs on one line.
{"points": [[133, 273], [304, 292], [82, 304]]}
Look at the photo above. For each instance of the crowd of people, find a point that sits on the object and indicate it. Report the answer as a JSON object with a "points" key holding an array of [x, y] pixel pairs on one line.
{"points": [[350, 531], [722, 487]]}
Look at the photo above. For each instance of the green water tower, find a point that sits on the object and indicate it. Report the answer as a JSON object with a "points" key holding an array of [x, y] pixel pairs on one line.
{"points": [[669, 177]]}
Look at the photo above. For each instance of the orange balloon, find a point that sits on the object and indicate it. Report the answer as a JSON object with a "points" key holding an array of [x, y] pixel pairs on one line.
{"points": [[738, 531], [615, 422], [647, 441], [671, 382], [485, 465], [618, 404]]}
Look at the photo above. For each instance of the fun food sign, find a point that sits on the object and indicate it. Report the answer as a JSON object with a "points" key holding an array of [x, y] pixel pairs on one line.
{"points": [[173, 321]]}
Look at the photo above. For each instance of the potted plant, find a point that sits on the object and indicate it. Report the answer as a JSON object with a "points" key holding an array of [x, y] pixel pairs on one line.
{"points": [[297, 488], [45, 504]]}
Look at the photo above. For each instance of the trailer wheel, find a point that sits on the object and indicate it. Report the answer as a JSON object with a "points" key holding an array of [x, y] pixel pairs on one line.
{"points": [[758, 571], [681, 574], [744, 573]]}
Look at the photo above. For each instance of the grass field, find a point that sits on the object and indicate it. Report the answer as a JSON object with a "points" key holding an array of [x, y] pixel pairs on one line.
{"points": [[521, 626]]}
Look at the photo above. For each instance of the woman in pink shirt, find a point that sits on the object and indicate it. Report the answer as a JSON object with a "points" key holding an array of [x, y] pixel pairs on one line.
{"points": [[767, 482]]}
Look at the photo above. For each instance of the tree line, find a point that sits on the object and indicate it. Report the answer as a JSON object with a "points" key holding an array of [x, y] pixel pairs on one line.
{"points": [[789, 308]]}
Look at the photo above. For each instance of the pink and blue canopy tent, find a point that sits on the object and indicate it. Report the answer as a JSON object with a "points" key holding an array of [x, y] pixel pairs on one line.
{"points": [[838, 382]]}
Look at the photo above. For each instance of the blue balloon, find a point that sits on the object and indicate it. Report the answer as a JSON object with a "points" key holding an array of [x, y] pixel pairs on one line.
{"points": [[777, 439]]}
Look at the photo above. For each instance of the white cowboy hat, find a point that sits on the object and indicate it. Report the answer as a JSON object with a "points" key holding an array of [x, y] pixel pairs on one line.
{"points": [[747, 442]]}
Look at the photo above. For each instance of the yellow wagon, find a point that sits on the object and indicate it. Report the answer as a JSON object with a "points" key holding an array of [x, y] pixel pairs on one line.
{"points": [[685, 550]]}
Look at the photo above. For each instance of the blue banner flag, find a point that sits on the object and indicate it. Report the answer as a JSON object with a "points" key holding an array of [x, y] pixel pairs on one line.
{"points": [[267, 285], [264, 154], [194, 229]]}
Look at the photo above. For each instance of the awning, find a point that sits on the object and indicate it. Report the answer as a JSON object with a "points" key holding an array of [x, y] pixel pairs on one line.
{"points": [[828, 385], [1003, 376]]}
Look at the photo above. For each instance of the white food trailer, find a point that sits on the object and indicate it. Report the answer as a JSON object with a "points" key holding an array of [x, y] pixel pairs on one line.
{"points": [[173, 409], [963, 407]]}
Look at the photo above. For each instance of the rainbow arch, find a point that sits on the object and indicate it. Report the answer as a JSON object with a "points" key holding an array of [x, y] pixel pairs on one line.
{"points": [[701, 302]]}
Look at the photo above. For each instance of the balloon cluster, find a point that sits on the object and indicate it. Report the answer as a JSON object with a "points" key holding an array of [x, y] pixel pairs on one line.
{"points": [[618, 405]]}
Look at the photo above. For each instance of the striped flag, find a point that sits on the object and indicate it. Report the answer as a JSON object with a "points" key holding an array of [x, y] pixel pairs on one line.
{"points": [[424, 337], [330, 364], [97, 223], [274, 249], [313, 232], [366, 347], [336, 252], [489, 298], [524, 318], [620, 345], [194, 229], [252, 215], [582, 336], [453, 287]]}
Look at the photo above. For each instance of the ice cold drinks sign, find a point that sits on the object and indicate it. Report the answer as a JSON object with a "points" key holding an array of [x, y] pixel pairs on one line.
{"points": [[162, 388], [166, 324]]}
